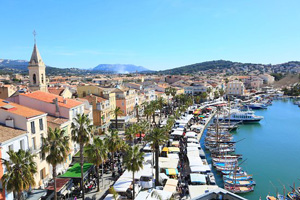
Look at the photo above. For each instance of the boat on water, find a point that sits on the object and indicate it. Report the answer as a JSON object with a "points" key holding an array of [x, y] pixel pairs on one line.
{"points": [[238, 156], [257, 106], [293, 196], [239, 189], [236, 115], [231, 160], [270, 198], [239, 182], [238, 176], [228, 172], [222, 150]]}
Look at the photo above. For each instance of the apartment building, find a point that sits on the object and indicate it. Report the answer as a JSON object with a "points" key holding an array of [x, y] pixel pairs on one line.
{"points": [[126, 100], [10, 139], [61, 114], [33, 123], [235, 87], [101, 111], [99, 102]]}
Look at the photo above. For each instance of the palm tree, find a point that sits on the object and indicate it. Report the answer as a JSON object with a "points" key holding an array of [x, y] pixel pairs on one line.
{"points": [[131, 132], [204, 96], [143, 127], [81, 131], [20, 170], [208, 91], [160, 105], [153, 106], [157, 137], [137, 112], [221, 92], [96, 154], [56, 145], [113, 142], [147, 112], [171, 91], [216, 94], [134, 162], [117, 112], [197, 99]]}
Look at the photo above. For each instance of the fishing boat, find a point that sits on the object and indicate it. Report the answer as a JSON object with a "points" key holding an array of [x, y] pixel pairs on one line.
{"points": [[239, 183], [225, 160], [240, 177], [225, 167], [292, 196], [239, 189], [270, 198], [228, 172], [222, 150], [228, 156]]}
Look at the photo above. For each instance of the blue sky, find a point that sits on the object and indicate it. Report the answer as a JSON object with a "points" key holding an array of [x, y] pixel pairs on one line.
{"points": [[157, 34]]}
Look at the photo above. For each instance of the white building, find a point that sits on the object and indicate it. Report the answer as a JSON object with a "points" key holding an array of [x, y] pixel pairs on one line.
{"points": [[10, 139], [268, 79]]}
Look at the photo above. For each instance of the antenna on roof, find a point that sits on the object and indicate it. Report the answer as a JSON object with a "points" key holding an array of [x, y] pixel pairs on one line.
{"points": [[34, 34]]}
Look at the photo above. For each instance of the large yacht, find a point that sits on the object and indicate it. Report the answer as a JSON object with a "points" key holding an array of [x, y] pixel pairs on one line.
{"points": [[240, 116]]}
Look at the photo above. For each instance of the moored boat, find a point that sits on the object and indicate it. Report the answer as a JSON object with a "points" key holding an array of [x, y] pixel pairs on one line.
{"points": [[238, 189]]}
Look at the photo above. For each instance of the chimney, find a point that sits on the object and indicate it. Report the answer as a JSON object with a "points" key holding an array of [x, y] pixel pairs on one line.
{"points": [[56, 107], [65, 101], [9, 122]]}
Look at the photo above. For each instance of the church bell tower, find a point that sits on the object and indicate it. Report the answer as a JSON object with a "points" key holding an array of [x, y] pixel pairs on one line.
{"points": [[37, 70]]}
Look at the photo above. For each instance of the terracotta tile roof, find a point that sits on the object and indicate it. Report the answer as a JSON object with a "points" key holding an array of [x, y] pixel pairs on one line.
{"points": [[55, 122], [48, 97], [7, 133], [56, 91], [19, 109], [98, 99]]}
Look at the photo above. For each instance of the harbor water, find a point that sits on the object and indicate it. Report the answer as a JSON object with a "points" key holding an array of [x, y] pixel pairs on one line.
{"points": [[272, 149]]}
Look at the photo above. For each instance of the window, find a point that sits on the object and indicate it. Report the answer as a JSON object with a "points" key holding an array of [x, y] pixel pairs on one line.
{"points": [[42, 78], [43, 173], [33, 143], [32, 127], [22, 145], [42, 139], [41, 124], [34, 79], [42, 156], [11, 147]]}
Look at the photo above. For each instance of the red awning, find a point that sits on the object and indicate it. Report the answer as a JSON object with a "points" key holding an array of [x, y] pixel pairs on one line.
{"points": [[138, 135], [60, 183]]}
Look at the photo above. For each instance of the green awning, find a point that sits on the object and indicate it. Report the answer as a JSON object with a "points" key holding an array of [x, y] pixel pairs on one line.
{"points": [[75, 172]]}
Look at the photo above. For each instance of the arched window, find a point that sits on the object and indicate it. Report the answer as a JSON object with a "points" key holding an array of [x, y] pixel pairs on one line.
{"points": [[34, 79], [42, 78]]}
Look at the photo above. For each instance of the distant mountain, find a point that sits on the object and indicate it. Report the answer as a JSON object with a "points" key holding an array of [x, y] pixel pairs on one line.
{"points": [[20, 66], [120, 68], [230, 67]]}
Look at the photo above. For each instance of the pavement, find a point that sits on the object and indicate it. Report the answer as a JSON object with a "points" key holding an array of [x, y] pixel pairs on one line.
{"points": [[108, 181]]}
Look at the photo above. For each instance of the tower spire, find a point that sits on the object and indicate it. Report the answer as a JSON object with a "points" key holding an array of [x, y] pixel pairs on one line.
{"points": [[34, 34]]}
